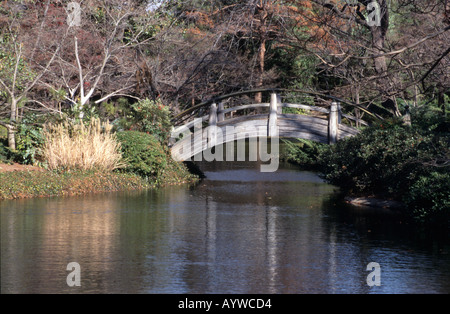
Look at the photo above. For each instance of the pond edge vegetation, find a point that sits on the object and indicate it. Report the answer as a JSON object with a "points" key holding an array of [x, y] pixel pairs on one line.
{"points": [[390, 164], [389, 161], [84, 156]]}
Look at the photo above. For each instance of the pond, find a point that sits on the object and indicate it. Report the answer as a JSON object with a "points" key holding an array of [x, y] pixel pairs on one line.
{"points": [[237, 231]]}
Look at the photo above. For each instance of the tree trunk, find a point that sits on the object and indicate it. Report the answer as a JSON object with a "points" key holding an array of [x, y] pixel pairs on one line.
{"points": [[378, 32], [11, 138], [441, 101], [378, 44], [262, 12], [11, 129], [260, 80], [357, 111]]}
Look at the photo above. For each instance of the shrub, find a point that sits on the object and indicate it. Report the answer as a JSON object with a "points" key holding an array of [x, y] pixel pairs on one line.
{"points": [[392, 160], [378, 161], [150, 159], [143, 154], [78, 146], [429, 119], [302, 152], [5, 153], [383, 158], [151, 117], [429, 199], [28, 140]]}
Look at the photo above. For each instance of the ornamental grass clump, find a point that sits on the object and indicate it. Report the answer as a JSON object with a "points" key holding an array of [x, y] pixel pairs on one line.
{"points": [[76, 146]]}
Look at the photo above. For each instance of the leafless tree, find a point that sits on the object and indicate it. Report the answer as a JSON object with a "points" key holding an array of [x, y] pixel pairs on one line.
{"points": [[22, 64], [390, 56], [98, 59]]}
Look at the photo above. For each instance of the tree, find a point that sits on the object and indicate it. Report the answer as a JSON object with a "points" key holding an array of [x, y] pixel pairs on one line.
{"points": [[21, 64], [189, 58], [379, 49], [215, 47], [98, 58]]}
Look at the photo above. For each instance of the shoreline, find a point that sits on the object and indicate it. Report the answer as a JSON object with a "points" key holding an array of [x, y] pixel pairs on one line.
{"points": [[366, 201], [22, 181]]}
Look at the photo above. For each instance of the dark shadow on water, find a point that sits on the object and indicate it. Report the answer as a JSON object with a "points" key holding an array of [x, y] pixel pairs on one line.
{"points": [[383, 224], [194, 169]]}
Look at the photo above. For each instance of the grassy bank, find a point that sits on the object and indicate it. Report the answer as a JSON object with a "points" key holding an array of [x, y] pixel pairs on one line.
{"points": [[24, 184], [144, 163]]}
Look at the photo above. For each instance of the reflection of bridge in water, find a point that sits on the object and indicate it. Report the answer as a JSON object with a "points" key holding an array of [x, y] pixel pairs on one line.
{"points": [[213, 123]]}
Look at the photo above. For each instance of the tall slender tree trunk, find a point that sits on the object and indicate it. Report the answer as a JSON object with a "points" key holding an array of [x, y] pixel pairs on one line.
{"points": [[261, 59], [379, 32], [262, 12], [11, 137], [378, 38], [357, 111], [11, 129], [441, 101]]}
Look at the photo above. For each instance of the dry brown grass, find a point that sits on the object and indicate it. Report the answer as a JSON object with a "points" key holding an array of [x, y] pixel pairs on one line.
{"points": [[78, 146]]}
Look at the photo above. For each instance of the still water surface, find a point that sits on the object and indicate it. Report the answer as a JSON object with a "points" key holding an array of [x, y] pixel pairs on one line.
{"points": [[238, 231]]}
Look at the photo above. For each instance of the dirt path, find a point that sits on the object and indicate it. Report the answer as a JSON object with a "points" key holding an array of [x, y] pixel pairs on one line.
{"points": [[18, 167]]}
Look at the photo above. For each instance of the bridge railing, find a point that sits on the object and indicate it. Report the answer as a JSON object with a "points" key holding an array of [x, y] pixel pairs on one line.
{"points": [[216, 114], [204, 106]]}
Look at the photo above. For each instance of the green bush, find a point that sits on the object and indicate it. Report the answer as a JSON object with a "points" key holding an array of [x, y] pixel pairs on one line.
{"points": [[302, 152], [429, 198], [150, 159], [393, 160], [5, 153], [429, 119], [377, 161], [143, 153], [28, 140], [150, 117]]}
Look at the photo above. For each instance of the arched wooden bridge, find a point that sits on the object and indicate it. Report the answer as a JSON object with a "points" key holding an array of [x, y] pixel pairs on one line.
{"points": [[226, 124]]}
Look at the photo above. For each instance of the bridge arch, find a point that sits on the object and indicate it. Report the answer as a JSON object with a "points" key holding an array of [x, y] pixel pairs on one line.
{"points": [[223, 125]]}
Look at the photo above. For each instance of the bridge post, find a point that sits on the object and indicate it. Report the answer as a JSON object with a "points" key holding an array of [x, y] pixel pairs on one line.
{"points": [[280, 108], [212, 133], [273, 110], [220, 115], [333, 121], [339, 112]]}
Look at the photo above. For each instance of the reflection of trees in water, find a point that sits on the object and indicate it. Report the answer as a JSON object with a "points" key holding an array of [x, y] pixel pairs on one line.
{"points": [[221, 236]]}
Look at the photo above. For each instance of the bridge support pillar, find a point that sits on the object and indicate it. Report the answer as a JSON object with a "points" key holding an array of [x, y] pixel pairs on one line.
{"points": [[273, 111], [333, 123], [220, 115], [212, 129]]}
